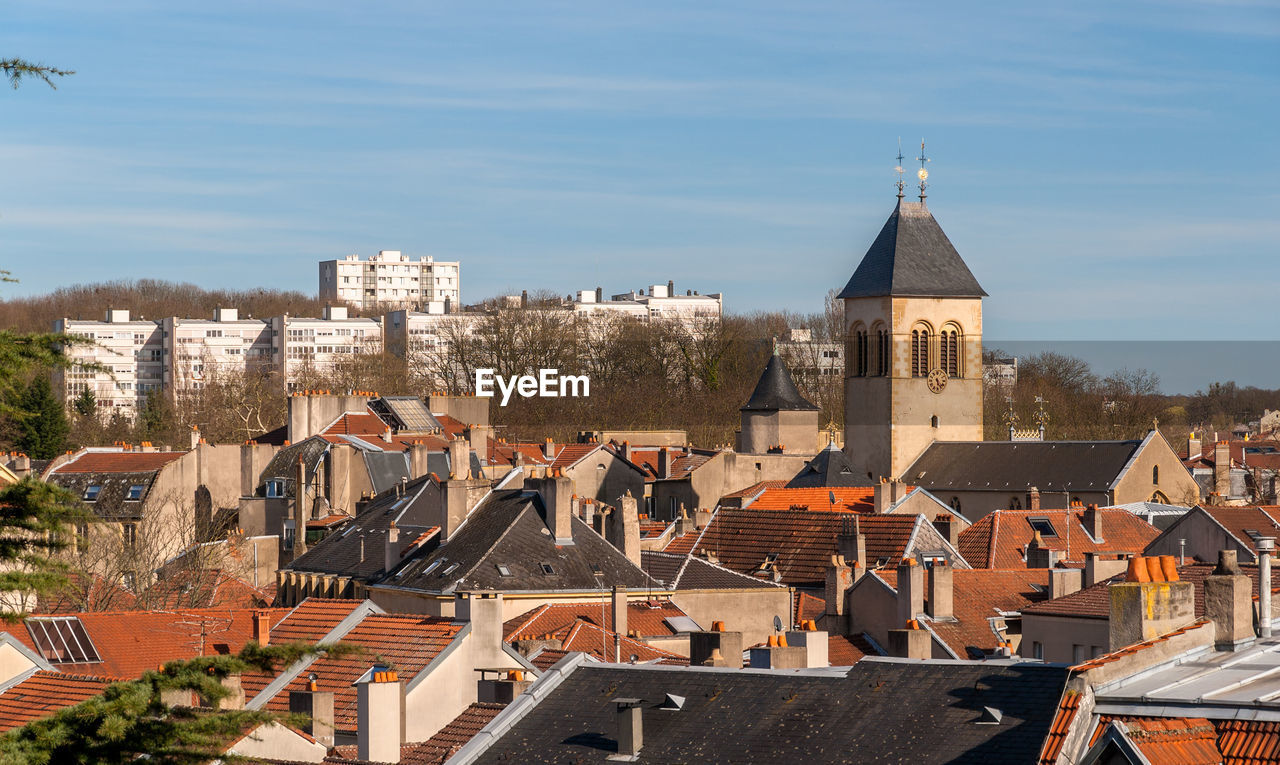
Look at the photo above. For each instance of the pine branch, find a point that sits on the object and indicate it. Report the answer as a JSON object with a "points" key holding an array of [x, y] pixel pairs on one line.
{"points": [[15, 69]]}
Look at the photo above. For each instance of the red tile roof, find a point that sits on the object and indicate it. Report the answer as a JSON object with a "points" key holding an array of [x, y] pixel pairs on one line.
{"points": [[118, 462], [1261, 518], [977, 595], [646, 618], [311, 620], [683, 462], [132, 642], [589, 638], [1175, 741], [547, 658], [803, 541], [847, 650], [407, 642], [999, 539], [849, 499], [569, 454], [357, 424], [682, 544], [1094, 602], [755, 489], [44, 693], [438, 748], [1061, 726], [806, 606], [1248, 742]]}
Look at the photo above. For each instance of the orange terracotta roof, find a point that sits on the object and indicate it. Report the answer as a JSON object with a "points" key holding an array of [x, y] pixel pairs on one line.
{"points": [[408, 642], [755, 489], [683, 461], [118, 462], [569, 454], [646, 618], [44, 693], [806, 606], [1175, 741], [132, 642], [589, 638], [977, 595], [682, 544], [438, 748], [849, 499], [1132, 649], [547, 658], [1248, 742], [999, 539], [311, 620], [210, 588], [357, 424], [1061, 726], [847, 650]]}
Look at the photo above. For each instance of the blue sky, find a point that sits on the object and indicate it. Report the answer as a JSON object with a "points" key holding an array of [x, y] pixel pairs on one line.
{"points": [[1106, 169]]}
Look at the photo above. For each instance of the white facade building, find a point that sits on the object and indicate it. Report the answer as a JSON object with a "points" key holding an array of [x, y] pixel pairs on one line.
{"points": [[199, 350], [392, 279], [317, 345], [130, 357], [660, 302]]}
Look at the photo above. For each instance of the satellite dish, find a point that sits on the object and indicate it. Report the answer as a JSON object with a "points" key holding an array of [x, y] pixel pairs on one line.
{"points": [[777, 624], [832, 495]]}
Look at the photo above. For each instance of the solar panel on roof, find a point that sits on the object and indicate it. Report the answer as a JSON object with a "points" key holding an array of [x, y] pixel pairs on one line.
{"points": [[411, 412], [62, 640]]}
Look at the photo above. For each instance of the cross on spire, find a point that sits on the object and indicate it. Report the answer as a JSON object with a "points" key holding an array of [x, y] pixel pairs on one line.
{"points": [[923, 174], [899, 169]]}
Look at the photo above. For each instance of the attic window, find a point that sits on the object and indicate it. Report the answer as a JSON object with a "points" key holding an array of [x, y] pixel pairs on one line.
{"points": [[275, 488], [770, 558], [435, 564], [1043, 526], [452, 568], [91, 492], [62, 639], [135, 492], [546, 569], [503, 570]]}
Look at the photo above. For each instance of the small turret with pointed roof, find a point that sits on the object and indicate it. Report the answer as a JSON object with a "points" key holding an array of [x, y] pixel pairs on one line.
{"points": [[776, 391], [777, 418]]}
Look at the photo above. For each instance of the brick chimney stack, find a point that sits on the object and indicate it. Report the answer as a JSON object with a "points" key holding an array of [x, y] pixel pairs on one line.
{"points": [[1150, 602], [379, 715], [1092, 521], [910, 590], [1228, 603], [839, 580], [557, 496], [624, 527], [1222, 470], [1033, 498], [941, 592]]}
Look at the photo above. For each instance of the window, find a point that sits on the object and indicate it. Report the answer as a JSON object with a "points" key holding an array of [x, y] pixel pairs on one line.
{"points": [[434, 565], [949, 350], [452, 568], [919, 352], [860, 355], [1042, 525], [91, 492], [1079, 653], [135, 492], [503, 570], [933, 421], [275, 488], [882, 352], [1037, 650], [547, 569], [62, 639], [955, 504], [130, 534], [1015, 503], [1155, 474], [82, 536]]}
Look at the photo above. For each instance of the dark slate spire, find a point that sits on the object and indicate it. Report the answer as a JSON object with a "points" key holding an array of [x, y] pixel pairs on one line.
{"points": [[829, 468], [776, 391], [912, 257]]}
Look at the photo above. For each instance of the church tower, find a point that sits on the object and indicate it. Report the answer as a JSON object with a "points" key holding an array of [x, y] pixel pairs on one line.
{"points": [[913, 345]]}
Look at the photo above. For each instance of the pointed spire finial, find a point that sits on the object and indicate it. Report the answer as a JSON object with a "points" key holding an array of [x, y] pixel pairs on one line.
{"points": [[922, 173], [899, 169]]}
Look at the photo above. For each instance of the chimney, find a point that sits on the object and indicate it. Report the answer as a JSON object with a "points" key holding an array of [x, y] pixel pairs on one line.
{"points": [[1266, 546], [814, 643], [236, 698], [1150, 602], [1039, 555], [379, 715], [779, 653], [1194, 447], [549, 449], [630, 727], [524, 298], [1092, 521], [419, 456], [262, 627], [484, 610], [386, 435], [1064, 581], [195, 436], [886, 494], [619, 603], [1228, 603], [671, 287], [627, 451], [852, 543], [703, 647], [664, 462], [599, 294], [1033, 498], [949, 527], [839, 580], [460, 457], [22, 466], [317, 705], [300, 514], [557, 493], [941, 593], [910, 642], [910, 590], [1097, 567], [478, 438], [624, 527], [391, 550], [504, 688], [1222, 469], [453, 497]]}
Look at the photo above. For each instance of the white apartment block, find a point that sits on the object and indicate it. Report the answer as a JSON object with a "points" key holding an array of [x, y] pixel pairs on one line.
{"points": [[390, 280], [317, 345], [130, 357], [660, 302], [200, 350]]}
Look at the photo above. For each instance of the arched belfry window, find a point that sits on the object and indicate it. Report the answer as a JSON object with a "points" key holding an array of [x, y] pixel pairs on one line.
{"points": [[920, 338], [949, 347], [858, 351], [882, 350]]}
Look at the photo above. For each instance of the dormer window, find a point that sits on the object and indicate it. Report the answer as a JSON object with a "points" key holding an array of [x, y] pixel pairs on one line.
{"points": [[135, 492], [275, 488], [91, 492]]}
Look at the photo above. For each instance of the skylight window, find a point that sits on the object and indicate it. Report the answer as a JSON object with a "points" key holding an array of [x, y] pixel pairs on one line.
{"points": [[135, 492], [503, 570], [91, 492], [435, 564], [452, 568], [62, 640], [546, 569], [1043, 526]]}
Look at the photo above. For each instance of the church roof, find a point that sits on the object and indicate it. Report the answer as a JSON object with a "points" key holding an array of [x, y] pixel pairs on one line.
{"points": [[829, 468], [912, 257], [776, 391]]}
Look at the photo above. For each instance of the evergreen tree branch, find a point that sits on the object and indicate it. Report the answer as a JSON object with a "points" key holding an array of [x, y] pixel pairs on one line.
{"points": [[15, 70]]}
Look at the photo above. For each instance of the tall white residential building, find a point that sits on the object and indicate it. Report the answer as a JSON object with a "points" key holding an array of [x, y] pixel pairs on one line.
{"points": [[199, 350], [130, 359], [660, 302], [391, 280], [317, 345]]}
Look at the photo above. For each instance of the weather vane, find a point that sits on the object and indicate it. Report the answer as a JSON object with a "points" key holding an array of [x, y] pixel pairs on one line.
{"points": [[922, 173], [899, 168]]}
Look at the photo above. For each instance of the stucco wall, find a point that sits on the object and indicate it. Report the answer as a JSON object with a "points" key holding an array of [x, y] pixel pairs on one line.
{"points": [[750, 612], [1058, 635]]}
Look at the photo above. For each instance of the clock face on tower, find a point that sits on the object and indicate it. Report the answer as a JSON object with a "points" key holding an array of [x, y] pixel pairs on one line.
{"points": [[937, 380]]}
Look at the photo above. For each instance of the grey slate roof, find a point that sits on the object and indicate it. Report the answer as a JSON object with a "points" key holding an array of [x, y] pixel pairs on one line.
{"points": [[829, 468], [776, 390], [283, 466], [912, 257], [358, 550], [112, 503], [1018, 465], [386, 468], [689, 572], [510, 529], [882, 711]]}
